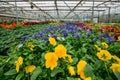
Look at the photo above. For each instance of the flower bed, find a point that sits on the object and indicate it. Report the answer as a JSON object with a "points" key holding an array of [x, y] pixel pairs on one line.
{"points": [[63, 52]]}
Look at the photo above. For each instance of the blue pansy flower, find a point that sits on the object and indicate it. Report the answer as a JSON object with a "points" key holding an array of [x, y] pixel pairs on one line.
{"points": [[40, 34], [110, 39], [65, 33], [34, 36], [89, 33], [46, 38], [24, 38], [72, 31], [103, 35], [54, 35], [77, 35]]}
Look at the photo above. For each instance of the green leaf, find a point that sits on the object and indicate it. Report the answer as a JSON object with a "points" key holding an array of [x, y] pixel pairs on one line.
{"points": [[98, 43], [19, 76], [68, 46], [98, 64], [31, 56], [84, 50], [88, 71], [1, 72], [84, 44], [25, 53], [36, 72], [41, 47], [70, 78], [117, 74], [75, 60], [55, 71], [11, 72]]}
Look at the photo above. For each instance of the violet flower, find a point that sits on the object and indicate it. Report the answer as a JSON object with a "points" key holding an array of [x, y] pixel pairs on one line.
{"points": [[24, 38]]}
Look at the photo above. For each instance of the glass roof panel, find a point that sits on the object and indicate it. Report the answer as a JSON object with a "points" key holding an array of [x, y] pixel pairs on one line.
{"points": [[48, 6]]}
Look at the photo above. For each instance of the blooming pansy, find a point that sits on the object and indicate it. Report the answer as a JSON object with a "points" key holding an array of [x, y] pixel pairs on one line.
{"points": [[68, 58], [104, 44], [30, 68], [80, 68], [115, 67], [24, 38], [104, 55], [30, 46], [71, 70], [118, 38], [52, 41], [116, 58], [60, 51], [18, 63], [110, 39], [51, 60]]}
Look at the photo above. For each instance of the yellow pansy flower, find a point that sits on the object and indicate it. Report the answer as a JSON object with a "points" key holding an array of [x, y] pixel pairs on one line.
{"points": [[60, 51], [31, 46], [104, 44], [51, 60], [116, 58], [118, 38], [20, 60], [98, 48], [79, 79], [80, 68], [71, 70], [17, 66], [88, 78], [18, 63], [52, 41], [115, 67], [104, 55], [29, 68], [68, 58]]}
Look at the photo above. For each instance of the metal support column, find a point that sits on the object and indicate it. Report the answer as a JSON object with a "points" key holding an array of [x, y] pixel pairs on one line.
{"points": [[45, 18], [93, 12], [103, 17], [109, 17], [56, 5], [16, 11], [87, 17], [98, 16]]}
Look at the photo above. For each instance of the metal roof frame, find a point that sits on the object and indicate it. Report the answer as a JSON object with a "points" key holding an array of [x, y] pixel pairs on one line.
{"points": [[77, 7]]}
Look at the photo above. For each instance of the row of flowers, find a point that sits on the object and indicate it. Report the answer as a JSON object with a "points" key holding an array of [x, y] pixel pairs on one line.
{"points": [[26, 24], [64, 31], [8, 26], [110, 29]]}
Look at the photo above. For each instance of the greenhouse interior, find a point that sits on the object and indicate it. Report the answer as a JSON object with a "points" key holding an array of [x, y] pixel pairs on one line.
{"points": [[59, 39]]}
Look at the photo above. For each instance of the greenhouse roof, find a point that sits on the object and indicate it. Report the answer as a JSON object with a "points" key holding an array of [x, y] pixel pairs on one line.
{"points": [[56, 9]]}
